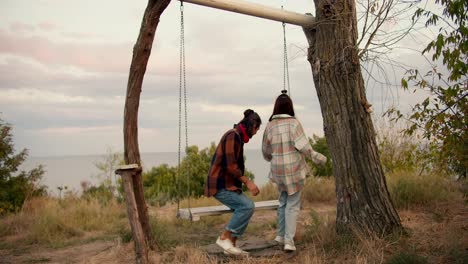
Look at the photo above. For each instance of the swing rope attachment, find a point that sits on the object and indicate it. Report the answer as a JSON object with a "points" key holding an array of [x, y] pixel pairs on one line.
{"points": [[286, 82]]}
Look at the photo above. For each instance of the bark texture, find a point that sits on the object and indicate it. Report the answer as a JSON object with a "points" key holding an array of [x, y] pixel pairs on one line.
{"points": [[363, 201], [141, 54], [141, 250]]}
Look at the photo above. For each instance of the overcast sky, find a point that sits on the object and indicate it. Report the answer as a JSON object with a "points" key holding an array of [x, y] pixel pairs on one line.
{"points": [[64, 69]]}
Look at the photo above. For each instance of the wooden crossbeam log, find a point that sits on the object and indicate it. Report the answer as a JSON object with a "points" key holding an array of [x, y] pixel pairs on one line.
{"points": [[127, 167], [257, 10]]}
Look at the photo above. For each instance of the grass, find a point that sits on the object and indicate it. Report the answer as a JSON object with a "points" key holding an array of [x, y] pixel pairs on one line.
{"points": [[189, 255], [324, 245], [55, 222], [170, 233], [409, 189], [431, 209], [319, 189], [199, 202], [39, 260], [267, 192], [406, 258]]}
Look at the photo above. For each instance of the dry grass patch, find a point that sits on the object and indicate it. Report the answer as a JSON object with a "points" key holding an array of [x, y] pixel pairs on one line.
{"points": [[188, 255], [55, 222], [319, 189], [410, 189], [329, 247], [268, 192], [437, 233], [199, 202]]}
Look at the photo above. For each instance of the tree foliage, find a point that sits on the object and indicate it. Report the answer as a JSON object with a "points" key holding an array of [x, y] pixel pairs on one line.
{"points": [[165, 183], [102, 193], [160, 184], [109, 186], [442, 116], [107, 167], [403, 152], [320, 145], [15, 187]]}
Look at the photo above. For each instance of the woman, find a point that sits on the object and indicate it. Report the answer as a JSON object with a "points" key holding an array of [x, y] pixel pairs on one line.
{"points": [[286, 146], [225, 179]]}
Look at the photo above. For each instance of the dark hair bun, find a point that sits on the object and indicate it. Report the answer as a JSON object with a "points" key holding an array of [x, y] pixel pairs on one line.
{"points": [[284, 92], [248, 112]]}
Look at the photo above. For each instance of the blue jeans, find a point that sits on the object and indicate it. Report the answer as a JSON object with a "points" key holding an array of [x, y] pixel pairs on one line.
{"points": [[242, 207], [288, 210]]}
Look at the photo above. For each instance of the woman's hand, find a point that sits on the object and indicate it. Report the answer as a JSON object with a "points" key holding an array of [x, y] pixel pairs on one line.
{"points": [[318, 158]]}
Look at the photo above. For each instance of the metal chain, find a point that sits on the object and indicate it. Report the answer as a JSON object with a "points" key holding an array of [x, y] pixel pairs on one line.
{"points": [[182, 84], [180, 106], [285, 62], [185, 103]]}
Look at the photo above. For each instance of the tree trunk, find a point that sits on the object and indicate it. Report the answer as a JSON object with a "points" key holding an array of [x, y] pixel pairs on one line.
{"points": [[363, 201], [141, 250], [141, 54]]}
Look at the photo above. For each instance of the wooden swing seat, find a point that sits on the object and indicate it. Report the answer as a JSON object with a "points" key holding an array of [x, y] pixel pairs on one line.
{"points": [[197, 212]]}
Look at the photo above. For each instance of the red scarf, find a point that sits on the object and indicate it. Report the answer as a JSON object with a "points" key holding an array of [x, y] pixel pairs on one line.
{"points": [[244, 134]]}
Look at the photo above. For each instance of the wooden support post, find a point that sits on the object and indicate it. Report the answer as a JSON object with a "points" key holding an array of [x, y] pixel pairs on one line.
{"points": [[141, 54], [141, 248]]}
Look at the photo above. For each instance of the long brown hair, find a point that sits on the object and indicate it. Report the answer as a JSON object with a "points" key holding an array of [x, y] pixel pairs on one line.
{"points": [[283, 105]]}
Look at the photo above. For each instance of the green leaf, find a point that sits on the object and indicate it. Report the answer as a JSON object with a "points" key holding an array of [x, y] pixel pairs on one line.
{"points": [[426, 103], [404, 83]]}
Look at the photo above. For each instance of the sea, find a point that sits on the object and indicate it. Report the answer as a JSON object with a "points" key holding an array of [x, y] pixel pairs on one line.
{"points": [[70, 171]]}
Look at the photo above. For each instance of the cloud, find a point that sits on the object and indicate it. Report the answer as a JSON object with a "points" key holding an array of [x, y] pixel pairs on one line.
{"points": [[75, 130], [104, 57], [47, 26], [20, 27], [63, 79], [225, 109], [34, 96], [20, 73], [77, 140]]}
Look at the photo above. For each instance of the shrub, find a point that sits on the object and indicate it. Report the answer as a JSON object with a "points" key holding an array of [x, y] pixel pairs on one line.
{"points": [[166, 184], [15, 189], [320, 145], [101, 193], [402, 152]]}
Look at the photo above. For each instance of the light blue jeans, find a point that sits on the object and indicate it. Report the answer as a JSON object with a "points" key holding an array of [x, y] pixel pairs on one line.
{"points": [[288, 210], [242, 207]]}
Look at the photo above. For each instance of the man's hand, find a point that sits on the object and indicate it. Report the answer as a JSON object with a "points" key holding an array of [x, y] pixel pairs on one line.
{"points": [[252, 187]]}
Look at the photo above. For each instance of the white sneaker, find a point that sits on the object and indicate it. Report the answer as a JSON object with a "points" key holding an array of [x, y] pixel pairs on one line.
{"points": [[225, 244], [288, 247], [236, 251], [229, 248], [279, 240]]}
